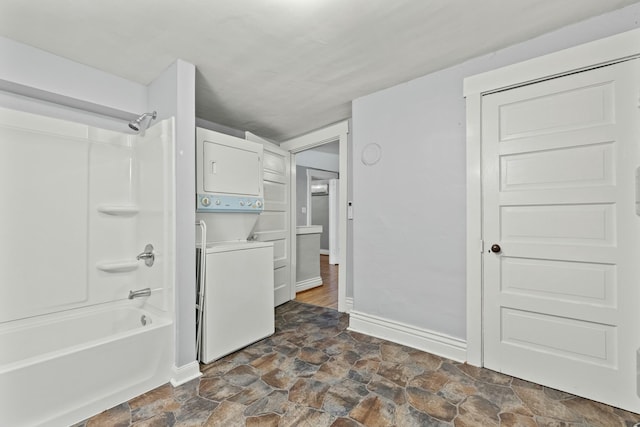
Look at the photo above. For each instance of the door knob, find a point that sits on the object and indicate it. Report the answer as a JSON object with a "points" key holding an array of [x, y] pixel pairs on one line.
{"points": [[495, 248]]}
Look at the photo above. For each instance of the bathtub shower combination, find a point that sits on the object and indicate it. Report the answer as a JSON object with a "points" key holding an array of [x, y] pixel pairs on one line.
{"points": [[86, 267]]}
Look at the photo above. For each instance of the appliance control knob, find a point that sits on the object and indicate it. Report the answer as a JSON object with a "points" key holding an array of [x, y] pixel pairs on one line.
{"points": [[205, 201], [241, 202], [218, 202], [258, 203]]}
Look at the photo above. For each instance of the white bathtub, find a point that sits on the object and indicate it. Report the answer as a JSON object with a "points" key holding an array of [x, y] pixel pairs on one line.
{"points": [[60, 369]]}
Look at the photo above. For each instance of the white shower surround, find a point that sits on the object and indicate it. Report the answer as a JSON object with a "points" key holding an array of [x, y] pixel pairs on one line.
{"points": [[81, 203]]}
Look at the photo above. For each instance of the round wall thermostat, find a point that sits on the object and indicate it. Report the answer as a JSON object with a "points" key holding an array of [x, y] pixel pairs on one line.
{"points": [[371, 154]]}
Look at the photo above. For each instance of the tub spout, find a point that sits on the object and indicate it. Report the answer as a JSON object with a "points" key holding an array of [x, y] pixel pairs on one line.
{"points": [[140, 293]]}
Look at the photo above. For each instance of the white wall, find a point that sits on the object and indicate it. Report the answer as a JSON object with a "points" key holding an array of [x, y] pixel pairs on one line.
{"points": [[409, 226], [173, 94], [33, 72]]}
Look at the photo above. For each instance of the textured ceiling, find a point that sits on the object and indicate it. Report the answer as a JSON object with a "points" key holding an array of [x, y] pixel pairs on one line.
{"points": [[279, 68]]}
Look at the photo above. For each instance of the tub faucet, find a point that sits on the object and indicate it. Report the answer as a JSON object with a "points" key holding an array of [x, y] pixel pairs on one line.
{"points": [[140, 293]]}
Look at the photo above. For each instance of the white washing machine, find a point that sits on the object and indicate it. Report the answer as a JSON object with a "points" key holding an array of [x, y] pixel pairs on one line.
{"points": [[238, 297], [236, 294]]}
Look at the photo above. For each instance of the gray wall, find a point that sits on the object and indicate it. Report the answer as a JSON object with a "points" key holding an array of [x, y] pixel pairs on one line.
{"points": [[318, 159], [320, 216], [319, 206], [307, 259], [301, 195], [217, 127], [409, 258]]}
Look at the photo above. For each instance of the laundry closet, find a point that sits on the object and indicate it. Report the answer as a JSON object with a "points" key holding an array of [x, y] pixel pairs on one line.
{"points": [[235, 296]]}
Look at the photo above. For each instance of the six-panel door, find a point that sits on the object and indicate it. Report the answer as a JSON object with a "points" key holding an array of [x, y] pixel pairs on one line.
{"points": [[562, 297]]}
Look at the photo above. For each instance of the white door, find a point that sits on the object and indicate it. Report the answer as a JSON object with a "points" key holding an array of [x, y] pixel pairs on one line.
{"points": [[562, 295], [273, 222]]}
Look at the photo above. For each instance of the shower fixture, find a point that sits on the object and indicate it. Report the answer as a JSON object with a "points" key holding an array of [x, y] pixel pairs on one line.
{"points": [[135, 124], [148, 256]]}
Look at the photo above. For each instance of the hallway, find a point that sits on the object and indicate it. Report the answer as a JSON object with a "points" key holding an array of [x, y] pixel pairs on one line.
{"points": [[325, 295]]}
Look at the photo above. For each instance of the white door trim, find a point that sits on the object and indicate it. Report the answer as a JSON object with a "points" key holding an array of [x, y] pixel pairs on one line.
{"points": [[334, 215], [336, 132], [609, 50]]}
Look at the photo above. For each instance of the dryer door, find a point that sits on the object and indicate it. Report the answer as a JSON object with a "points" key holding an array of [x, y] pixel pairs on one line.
{"points": [[231, 170]]}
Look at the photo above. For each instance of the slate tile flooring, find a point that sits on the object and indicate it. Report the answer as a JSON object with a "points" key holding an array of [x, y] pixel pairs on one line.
{"points": [[313, 372]]}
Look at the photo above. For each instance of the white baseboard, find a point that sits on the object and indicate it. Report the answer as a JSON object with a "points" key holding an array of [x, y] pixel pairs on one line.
{"points": [[308, 284], [186, 373], [400, 333], [348, 304]]}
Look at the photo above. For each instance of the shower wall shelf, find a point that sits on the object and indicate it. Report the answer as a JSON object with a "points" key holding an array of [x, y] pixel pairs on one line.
{"points": [[117, 266], [119, 210]]}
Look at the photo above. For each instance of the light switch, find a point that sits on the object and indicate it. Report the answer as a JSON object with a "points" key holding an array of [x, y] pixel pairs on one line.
{"points": [[304, 209]]}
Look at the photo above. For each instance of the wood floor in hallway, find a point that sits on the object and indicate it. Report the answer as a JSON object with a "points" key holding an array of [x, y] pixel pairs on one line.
{"points": [[327, 294]]}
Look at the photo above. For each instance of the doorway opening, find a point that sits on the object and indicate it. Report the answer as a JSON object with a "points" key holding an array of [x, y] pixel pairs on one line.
{"points": [[334, 136], [317, 203]]}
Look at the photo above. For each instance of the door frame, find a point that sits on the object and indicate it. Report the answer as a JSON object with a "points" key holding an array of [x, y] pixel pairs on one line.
{"points": [[610, 50], [336, 132], [334, 215]]}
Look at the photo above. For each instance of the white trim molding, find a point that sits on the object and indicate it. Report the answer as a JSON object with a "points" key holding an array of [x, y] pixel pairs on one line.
{"points": [[319, 137], [184, 374], [411, 336], [474, 232], [348, 304], [308, 284]]}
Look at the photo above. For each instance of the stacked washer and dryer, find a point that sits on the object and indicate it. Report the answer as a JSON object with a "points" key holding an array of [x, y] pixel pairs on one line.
{"points": [[235, 292]]}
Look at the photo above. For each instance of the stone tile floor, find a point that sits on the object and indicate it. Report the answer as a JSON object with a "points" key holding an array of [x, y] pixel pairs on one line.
{"points": [[313, 372]]}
